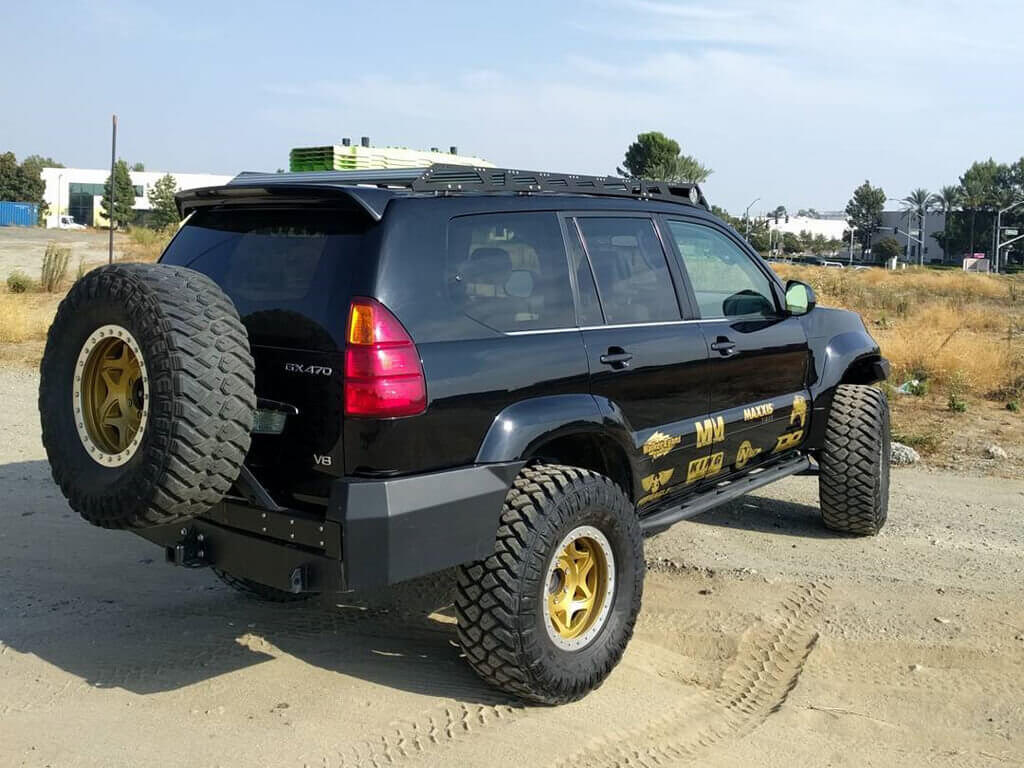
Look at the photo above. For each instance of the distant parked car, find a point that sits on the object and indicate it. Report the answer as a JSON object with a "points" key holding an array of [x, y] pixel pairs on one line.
{"points": [[68, 222], [833, 264]]}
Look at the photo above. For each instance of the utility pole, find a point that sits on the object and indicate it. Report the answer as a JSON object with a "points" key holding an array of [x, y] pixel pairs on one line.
{"points": [[851, 244], [113, 187]]}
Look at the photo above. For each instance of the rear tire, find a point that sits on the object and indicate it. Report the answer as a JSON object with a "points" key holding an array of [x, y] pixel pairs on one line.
{"points": [[854, 464], [519, 620], [147, 396]]}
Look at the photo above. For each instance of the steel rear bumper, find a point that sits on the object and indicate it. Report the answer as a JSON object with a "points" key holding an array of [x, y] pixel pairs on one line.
{"points": [[374, 533]]}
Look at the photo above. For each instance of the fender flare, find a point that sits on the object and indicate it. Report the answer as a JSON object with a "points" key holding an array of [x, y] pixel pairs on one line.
{"points": [[843, 352], [523, 428]]}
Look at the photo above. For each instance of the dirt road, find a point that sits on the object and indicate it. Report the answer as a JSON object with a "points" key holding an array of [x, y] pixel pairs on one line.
{"points": [[763, 640], [22, 248]]}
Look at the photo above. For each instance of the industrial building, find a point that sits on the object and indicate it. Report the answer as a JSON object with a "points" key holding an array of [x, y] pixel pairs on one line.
{"points": [[77, 191]]}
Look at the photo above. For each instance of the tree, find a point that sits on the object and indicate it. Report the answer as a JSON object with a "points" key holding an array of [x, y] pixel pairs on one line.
{"points": [[791, 243], [23, 183], [42, 162], [124, 196], [920, 201], [655, 156], [138, 167], [864, 212], [948, 198], [161, 198], [684, 169], [819, 244], [888, 248], [650, 150]]}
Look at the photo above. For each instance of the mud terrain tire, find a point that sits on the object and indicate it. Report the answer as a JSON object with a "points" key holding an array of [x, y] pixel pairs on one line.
{"points": [[502, 602], [854, 464], [192, 395]]}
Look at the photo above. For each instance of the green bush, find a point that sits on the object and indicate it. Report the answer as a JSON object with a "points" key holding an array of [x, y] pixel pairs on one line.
{"points": [[55, 267], [19, 282], [1013, 405]]}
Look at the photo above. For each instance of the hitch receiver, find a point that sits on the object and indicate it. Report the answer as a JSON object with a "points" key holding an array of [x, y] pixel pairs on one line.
{"points": [[189, 552]]}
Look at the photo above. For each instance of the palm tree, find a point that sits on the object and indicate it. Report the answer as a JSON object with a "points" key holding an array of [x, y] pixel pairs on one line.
{"points": [[974, 197], [920, 201], [948, 199]]}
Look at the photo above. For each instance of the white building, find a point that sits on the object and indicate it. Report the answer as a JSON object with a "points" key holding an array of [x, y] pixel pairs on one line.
{"points": [[830, 229], [78, 191]]}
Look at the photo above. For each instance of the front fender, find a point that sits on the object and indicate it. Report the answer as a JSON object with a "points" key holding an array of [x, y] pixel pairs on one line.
{"points": [[835, 357]]}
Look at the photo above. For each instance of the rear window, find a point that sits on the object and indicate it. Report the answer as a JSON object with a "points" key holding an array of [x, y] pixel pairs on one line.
{"points": [[509, 272], [287, 271]]}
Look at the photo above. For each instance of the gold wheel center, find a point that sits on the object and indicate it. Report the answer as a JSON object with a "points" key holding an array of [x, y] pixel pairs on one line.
{"points": [[579, 588], [110, 393]]}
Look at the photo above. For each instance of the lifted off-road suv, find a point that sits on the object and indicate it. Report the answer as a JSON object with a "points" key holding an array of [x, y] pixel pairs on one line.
{"points": [[336, 381]]}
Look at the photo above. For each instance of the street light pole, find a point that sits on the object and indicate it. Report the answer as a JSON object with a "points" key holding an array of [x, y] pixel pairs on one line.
{"points": [[746, 218], [999, 222]]}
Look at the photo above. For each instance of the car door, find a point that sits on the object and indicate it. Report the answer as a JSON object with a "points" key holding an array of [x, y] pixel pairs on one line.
{"points": [[647, 362], [759, 357]]}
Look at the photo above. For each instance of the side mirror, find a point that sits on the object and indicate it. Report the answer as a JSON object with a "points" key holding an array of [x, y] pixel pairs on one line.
{"points": [[800, 298]]}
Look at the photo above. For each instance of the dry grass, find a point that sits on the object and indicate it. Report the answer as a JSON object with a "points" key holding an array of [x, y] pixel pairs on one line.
{"points": [[947, 327], [146, 244], [26, 316]]}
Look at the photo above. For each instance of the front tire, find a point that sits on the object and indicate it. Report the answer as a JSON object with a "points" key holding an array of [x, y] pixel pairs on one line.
{"points": [[549, 614], [854, 464]]}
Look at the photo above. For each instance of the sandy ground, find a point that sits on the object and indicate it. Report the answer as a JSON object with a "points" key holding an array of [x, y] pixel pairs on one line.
{"points": [[22, 248], [764, 640]]}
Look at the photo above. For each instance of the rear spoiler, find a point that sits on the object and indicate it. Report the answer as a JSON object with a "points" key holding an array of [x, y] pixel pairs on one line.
{"points": [[370, 200]]}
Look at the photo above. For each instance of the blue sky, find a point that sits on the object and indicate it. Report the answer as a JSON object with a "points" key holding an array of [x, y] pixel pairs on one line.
{"points": [[792, 102]]}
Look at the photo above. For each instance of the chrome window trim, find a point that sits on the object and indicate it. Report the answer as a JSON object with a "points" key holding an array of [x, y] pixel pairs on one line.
{"points": [[618, 325]]}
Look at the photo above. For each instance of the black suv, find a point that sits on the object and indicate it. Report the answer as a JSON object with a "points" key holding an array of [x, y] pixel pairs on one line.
{"points": [[338, 381]]}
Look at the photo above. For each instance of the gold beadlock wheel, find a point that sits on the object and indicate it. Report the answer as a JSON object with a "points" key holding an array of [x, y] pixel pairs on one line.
{"points": [[111, 394], [580, 586]]}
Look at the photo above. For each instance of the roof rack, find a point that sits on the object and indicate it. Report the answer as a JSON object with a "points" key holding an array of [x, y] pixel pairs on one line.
{"points": [[458, 179]]}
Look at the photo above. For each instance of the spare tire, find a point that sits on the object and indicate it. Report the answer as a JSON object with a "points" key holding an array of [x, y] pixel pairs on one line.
{"points": [[146, 396]]}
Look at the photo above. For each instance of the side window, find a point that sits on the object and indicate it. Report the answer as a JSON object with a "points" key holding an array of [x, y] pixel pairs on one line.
{"points": [[509, 271], [727, 283], [632, 273], [589, 310]]}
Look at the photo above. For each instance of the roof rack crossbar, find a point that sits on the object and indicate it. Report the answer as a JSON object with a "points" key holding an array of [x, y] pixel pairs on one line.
{"points": [[456, 179]]}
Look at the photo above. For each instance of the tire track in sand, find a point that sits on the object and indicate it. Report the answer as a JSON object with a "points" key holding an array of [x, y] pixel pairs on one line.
{"points": [[767, 666]]}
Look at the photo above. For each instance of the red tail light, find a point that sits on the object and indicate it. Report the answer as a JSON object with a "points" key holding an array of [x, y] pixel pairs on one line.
{"points": [[383, 375]]}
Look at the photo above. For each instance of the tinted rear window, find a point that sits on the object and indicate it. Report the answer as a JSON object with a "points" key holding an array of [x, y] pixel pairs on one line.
{"points": [[508, 271], [287, 271]]}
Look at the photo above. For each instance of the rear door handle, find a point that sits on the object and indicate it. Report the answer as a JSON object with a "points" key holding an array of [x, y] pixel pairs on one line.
{"points": [[724, 346], [617, 358]]}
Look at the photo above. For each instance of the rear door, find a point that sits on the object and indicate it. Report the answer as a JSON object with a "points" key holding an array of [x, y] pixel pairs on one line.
{"points": [[290, 274], [646, 361], [759, 356]]}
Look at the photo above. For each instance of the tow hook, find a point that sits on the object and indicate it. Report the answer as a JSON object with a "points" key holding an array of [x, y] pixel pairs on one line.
{"points": [[190, 551]]}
